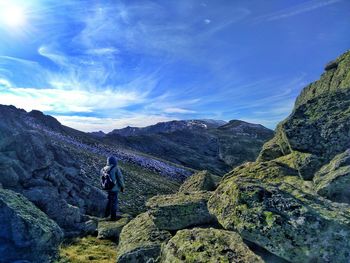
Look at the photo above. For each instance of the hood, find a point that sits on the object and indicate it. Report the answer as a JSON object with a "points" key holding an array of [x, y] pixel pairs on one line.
{"points": [[112, 161]]}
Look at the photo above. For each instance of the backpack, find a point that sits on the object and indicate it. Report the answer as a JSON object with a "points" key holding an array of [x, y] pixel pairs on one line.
{"points": [[106, 179]]}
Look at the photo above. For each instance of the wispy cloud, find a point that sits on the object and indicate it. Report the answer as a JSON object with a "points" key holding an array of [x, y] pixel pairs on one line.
{"points": [[178, 110], [63, 101], [297, 9]]}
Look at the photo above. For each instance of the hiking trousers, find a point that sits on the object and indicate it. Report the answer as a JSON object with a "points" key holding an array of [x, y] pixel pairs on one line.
{"points": [[112, 205]]}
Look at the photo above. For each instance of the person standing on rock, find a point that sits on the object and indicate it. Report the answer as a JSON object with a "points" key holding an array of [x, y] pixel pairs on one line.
{"points": [[112, 181]]}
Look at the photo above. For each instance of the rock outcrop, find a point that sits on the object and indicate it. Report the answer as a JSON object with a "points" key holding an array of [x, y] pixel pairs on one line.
{"points": [[200, 181], [179, 211], [141, 240], [319, 126], [26, 233], [207, 245]]}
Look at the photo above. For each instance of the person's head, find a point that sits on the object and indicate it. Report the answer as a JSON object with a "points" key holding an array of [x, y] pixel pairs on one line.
{"points": [[111, 160]]}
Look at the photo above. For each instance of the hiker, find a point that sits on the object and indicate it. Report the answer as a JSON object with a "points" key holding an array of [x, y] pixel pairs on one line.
{"points": [[112, 181]]}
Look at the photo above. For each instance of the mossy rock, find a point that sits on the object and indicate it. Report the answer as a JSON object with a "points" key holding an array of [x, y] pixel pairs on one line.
{"points": [[336, 77], [270, 171], [201, 181], [26, 233], [292, 224], [111, 229], [207, 246], [140, 240], [333, 180], [319, 126], [276, 147], [305, 163], [179, 211]]}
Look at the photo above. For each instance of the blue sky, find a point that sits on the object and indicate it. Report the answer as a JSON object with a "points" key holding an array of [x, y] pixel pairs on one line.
{"points": [[100, 65]]}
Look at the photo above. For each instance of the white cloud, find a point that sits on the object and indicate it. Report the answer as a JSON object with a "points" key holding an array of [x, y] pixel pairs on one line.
{"points": [[178, 110], [207, 21], [90, 124], [103, 51]]}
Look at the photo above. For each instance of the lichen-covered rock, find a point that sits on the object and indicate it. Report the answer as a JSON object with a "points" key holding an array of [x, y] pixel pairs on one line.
{"points": [[207, 245], [333, 180], [179, 211], [304, 163], [140, 240], [319, 126], [201, 181], [26, 233], [111, 229], [295, 225]]}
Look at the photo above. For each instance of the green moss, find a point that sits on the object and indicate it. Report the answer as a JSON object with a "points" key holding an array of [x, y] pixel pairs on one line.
{"points": [[269, 218]]}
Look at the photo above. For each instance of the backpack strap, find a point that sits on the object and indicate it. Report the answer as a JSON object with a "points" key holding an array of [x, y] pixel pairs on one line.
{"points": [[113, 166]]}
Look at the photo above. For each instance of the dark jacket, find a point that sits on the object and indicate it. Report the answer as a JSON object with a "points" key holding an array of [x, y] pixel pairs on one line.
{"points": [[116, 174]]}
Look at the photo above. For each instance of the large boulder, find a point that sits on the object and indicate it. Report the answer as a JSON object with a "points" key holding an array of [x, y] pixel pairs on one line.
{"points": [[295, 225], [26, 233], [141, 240], [200, 181], [179, 211], [48, 175], [207, 245], [333, 180], [319, 126]]}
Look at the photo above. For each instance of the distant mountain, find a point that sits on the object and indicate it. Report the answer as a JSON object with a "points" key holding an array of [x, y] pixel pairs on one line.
{"points": [[212, 145], [99, 134], [167, 127]]}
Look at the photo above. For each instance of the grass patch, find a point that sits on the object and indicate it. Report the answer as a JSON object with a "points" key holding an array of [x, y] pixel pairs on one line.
{"points": [[88, 249]]}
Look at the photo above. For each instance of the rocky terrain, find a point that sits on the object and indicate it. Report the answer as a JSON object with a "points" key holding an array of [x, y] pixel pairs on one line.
{"points": [[55, 169], [291, 205], [216, 146]]}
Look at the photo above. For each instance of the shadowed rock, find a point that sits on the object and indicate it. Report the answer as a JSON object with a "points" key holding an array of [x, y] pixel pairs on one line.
{"points": [[111, 229], [26, 233], [333, 180]]}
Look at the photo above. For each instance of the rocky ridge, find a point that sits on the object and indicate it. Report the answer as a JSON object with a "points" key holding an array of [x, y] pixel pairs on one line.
{"points": [[216, 146]]}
